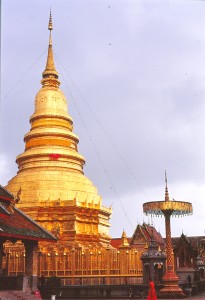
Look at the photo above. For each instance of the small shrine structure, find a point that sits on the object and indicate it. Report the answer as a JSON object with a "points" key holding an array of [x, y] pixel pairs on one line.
{"points": [[153, 262]]}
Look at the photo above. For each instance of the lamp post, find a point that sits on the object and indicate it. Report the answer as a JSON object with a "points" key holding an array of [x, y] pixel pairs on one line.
{"points": [[168, 208]]}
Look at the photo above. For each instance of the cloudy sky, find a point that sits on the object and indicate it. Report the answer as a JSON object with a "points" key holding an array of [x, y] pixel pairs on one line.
{"points": [[133, 73]]}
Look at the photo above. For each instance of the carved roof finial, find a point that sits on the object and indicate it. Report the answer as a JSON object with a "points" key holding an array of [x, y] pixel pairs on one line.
{"points": [[124, 239]]}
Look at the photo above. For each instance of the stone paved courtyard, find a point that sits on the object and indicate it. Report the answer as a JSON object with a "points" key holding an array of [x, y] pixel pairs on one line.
{"points": [[199, 296]]}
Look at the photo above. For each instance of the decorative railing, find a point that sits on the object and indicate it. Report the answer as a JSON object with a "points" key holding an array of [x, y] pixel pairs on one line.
{"points": [[75, 266]]}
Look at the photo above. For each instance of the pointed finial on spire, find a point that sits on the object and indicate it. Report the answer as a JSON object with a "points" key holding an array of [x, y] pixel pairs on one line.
{"points": [[50, 23], [50, 75], [165, 179], [166, 188], [50, 27]]}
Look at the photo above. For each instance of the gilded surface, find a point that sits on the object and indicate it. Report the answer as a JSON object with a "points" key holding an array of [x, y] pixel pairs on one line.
{"points": [[158, 207], [91, 266], [54, 189], [169, 208]]}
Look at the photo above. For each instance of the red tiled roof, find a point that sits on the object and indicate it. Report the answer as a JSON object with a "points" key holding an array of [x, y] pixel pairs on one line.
{"points": [[15, 224], [20, 226], [116, 242], [3, 210], [146, 230], [156, 235], [194, 240], [5, 194], [139, 229], [145, 233]]}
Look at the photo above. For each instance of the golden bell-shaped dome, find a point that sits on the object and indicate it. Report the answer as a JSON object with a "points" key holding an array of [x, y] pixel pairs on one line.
{"points": [[51, 168], [54, 190]]}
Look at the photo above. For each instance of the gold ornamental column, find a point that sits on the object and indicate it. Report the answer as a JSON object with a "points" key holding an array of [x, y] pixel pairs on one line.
{"points": [[124, 255], [73, 266], [169, 208], [108, 254]]}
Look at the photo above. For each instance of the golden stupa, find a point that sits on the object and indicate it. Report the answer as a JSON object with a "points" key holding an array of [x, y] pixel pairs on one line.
{"points": [[53, 188]]}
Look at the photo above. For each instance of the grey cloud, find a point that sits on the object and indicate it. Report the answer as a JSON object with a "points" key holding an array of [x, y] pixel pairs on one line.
{"points": [[139, 65]]}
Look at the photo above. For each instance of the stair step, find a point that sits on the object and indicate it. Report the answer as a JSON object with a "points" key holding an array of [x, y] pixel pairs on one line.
{"points": [[17, 295]]}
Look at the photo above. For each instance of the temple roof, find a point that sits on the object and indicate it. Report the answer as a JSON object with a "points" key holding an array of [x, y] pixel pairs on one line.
{"points": [[195, 241], [152, 231], [116, 242], [145, 232], [14, 224], [5, 194]]}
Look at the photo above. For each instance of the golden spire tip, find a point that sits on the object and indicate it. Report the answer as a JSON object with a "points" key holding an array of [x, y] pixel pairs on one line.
{"points": [[50, 70], [50, 24], [166, 188], [166, 178]]}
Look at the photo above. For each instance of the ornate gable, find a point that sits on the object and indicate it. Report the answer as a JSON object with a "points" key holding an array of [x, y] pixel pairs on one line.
{"points": [[139, 237], [185, 253], [185, 245]]}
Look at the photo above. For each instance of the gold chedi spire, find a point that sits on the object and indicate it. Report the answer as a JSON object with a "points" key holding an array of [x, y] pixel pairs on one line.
{"points": [[50, 23], [54, 189], [50, 75]]}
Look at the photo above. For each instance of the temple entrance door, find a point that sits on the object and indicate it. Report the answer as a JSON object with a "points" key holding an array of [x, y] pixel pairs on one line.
{"points": [[31, 262], [147, 273], [158, 272], [201, 273], [1, 257]]}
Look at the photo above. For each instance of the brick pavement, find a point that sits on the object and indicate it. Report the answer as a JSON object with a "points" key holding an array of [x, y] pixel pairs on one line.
{"points": [[200, 296]]}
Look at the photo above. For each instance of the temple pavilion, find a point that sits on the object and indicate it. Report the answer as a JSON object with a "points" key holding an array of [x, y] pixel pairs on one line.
{"points": [[17, 226]]}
